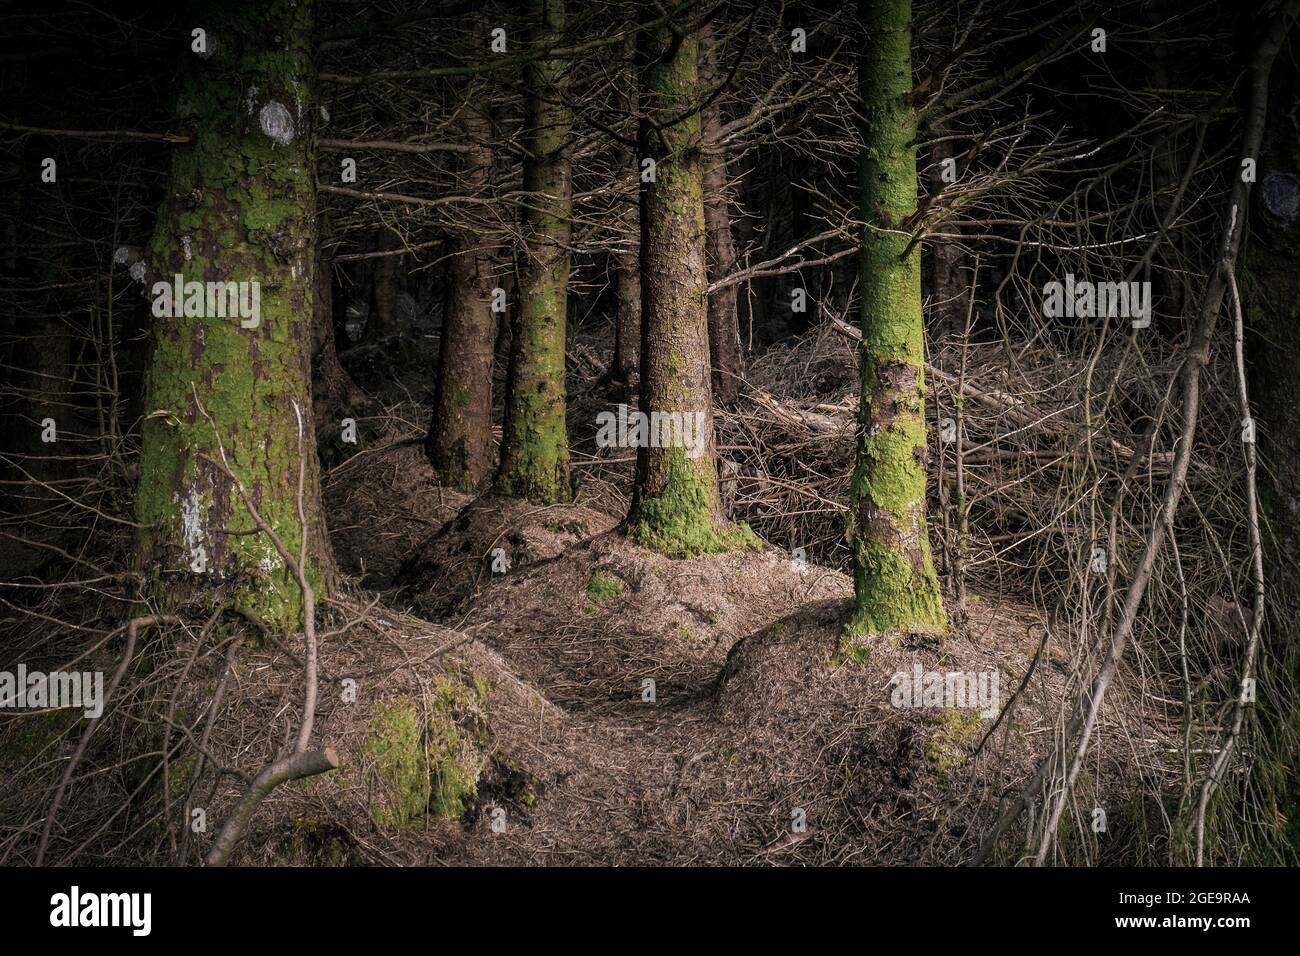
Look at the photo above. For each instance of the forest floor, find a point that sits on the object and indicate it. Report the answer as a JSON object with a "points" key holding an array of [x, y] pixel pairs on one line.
{"points": [[753, 725], [589, 701], [586, 700]]}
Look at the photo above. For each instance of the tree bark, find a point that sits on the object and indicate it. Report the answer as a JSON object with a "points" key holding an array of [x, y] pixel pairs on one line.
{"points": [[675, 506], [627, 331], [239, 207], [626, 366], [459, 443], [948, 299], [724, 328], [35, 367], [382, 321], [1270, 290], [1164, 172], [333, 391], [535, 443], [895, 586], [1269, 274]]}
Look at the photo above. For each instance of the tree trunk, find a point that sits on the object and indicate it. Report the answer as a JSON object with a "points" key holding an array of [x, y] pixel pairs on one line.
{"points": [[341, 290], [627, 331], [626, 366], [1169, 280], [675, 506], [1270, 289], [751, 312], [895, 586], [334, 393], [535, 443], [724, 329], [948, 301], [35, 367], [41, 390], [1269, 281], [459, 443], [239, 207], [382, 321]]}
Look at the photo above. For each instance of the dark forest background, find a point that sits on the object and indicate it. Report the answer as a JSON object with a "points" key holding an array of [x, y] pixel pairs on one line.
{"points": [[478, 571]]}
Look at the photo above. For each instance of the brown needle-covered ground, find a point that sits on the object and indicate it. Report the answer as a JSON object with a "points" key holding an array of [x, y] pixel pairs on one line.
{"points": [[754, 721], [584, 701]]}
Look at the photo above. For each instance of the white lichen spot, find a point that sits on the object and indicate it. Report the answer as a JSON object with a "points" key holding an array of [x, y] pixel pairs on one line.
{"points": [[138, 270], [121, 254], [187, 246], [192, 529], [277, 122], [324, 114], [268, 561]]}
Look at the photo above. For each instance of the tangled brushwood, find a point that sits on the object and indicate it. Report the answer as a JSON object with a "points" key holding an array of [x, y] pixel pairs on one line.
{"points": [[371, 580]]}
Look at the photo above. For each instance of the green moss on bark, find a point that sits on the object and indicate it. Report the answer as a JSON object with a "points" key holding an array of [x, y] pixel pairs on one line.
{"points": [[535, 443], [675, 507], [679, 521], [895, 585], [239, 207]]}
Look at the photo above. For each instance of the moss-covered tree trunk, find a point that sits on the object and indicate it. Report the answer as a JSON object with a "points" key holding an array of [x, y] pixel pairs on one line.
{"points": [[239, 208], [895, 586], [535, 442], [724, 328], [626, 366], [675, 506], [459, 443]]}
